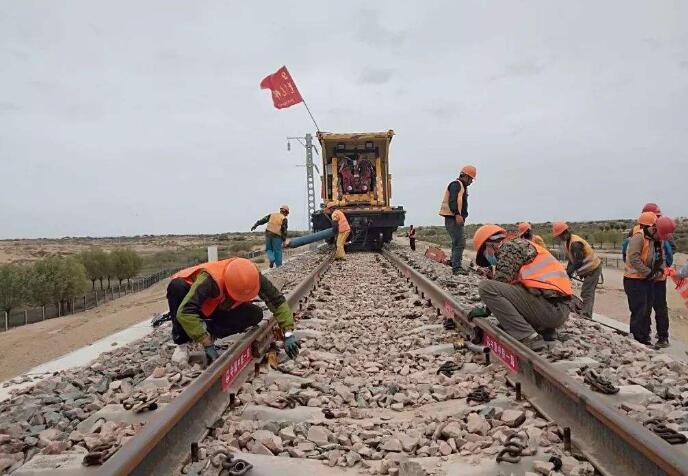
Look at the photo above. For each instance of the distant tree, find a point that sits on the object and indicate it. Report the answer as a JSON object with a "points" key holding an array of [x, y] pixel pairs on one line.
{"points": [[104, 266], [126, 264], [57, 279], [13, 286], [91, 265]]}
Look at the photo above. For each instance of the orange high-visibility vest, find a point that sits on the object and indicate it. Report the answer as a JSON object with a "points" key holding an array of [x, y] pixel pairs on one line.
{"points": [[646, 256], [216, 270], [682, 288], [545, 272], [275, 223], [590, 261], [445, 211], [340, 218]]}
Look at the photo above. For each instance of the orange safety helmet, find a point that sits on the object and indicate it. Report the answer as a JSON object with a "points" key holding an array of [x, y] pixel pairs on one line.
{"points": [[523, 227], [652, 207], [647, 218], [665, 227], [483, 233], [559, 227], [242, 280], [285, 208], [470, 170]]}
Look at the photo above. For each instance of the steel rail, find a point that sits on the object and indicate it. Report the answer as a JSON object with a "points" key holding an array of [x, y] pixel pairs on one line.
{"points": [[615, 444], [164, 441]]}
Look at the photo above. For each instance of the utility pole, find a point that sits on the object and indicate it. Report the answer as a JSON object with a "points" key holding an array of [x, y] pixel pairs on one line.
{"points": [[310, 181]]}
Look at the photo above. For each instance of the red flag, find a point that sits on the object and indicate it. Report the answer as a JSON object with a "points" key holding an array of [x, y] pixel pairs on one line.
{"points": [[284, 92]]}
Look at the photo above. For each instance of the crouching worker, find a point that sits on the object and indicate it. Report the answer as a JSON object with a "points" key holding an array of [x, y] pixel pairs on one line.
{"points": [[213, 300], [529, 293]]}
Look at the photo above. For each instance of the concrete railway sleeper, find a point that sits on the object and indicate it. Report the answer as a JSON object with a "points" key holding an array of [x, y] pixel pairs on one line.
{"points": [[365, 395]]}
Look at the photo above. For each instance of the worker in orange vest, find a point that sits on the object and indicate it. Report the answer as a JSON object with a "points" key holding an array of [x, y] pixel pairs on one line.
{"points": [[583, 261], [525, 231], [275, 234], [644, 264], [529, 293], [213, 300], [454, 209], [342, 229]]}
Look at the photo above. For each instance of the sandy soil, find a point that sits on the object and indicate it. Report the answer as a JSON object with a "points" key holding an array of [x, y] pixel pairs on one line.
{"points": [[28, 346]]}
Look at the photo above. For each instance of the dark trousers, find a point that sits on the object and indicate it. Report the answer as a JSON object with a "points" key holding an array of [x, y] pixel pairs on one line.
{"points": [[458, 240], [412, 242], [221, 323], [640, 295], [659, 304]]}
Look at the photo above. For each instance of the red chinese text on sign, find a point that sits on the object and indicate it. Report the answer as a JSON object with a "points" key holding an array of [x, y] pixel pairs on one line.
{"points": [[504, 354], [236, 366], [284, 91]]}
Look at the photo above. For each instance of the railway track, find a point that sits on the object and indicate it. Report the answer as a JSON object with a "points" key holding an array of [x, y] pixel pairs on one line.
{"points": [[381, 387]]}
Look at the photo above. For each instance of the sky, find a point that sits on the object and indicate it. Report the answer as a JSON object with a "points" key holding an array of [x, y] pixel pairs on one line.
{"points": [[130, 117]]}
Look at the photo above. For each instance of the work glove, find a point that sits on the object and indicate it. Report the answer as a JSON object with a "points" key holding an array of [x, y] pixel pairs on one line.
{"points": [[478, 311], [211, 353], [291, 346], [253, 227], [670, 272]]}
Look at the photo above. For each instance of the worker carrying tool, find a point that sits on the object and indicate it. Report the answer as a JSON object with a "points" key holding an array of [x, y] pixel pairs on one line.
{"points": [[644, 265], [659, 299], [454, 209], [583, 261], [213, 300], [529, 293], [341, 227], [525, 231], [275, 234]]}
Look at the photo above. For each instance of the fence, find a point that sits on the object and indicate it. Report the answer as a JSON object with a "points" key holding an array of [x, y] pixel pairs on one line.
{"points": [[95, 298]]}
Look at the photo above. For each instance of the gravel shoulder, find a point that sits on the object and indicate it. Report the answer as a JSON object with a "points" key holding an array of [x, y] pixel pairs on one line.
{"points": [[28, 346]]}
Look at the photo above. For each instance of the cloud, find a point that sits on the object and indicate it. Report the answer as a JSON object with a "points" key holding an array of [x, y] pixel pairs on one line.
{"points": [[371, 31], [521, 69], [8, 107], [375, 76]]}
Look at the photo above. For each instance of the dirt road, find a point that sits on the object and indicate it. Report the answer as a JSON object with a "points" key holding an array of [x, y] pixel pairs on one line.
{"points": [[28, 346]]}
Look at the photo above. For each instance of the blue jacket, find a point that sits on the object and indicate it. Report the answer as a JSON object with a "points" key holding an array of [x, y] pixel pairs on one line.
{"points": [[668, 252]]}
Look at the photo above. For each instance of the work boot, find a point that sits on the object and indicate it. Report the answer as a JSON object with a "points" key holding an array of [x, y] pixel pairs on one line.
{"points": [[272, 264], [534, 342], [662, 343], [549, 335], [460, 271]]}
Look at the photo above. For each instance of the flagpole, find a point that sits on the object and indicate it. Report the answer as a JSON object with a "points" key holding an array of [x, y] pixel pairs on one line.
{"points": [[310, 114]]}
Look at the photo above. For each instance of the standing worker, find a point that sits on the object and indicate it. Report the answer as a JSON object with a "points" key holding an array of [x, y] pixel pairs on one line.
{"points": [[530, 293], [583, 261], [664, 252], [213, 300], [642, 268], [525, 231], [341, 228], [454, 209], [412, 238], [275, 234]]}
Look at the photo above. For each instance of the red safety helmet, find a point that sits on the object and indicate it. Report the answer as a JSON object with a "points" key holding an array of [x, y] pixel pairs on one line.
{"points": [[665, 227], [652, 207]]}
